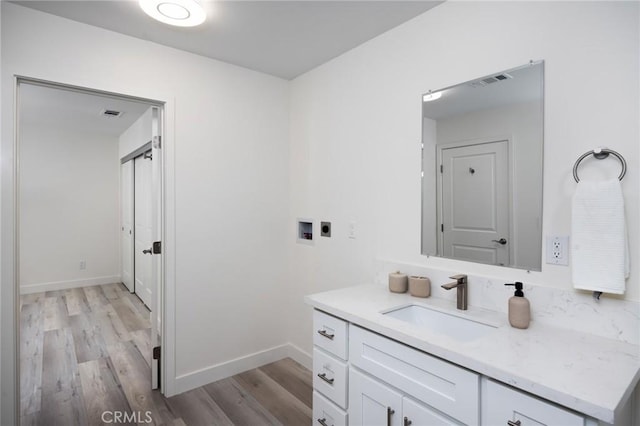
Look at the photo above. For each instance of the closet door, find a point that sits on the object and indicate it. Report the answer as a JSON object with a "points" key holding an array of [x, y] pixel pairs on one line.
{"points": [[143, 229], [126, 224]]}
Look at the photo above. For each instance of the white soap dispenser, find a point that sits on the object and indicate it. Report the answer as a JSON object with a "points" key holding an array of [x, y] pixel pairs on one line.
{"points": [[519, 308]]}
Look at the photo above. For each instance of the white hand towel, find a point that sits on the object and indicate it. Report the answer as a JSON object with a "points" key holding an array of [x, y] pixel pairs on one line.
{"points": [[600, 254]]}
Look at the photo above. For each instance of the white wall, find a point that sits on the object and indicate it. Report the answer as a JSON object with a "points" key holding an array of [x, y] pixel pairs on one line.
{"points": [[137, 135], [227, 186], [356, 130], [69, 208]]}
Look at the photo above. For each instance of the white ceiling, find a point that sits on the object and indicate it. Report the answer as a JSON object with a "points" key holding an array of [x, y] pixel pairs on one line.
{"points": [[282, 38], [56, 109]]}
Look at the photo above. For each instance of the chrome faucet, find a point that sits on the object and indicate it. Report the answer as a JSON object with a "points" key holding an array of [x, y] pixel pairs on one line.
{"points": [[461, 285]]}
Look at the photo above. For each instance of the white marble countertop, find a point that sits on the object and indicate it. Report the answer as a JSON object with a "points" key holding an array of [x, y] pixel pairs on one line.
{"points": [[589, 374]]}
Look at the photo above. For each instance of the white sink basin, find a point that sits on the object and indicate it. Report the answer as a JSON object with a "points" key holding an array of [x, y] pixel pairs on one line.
{"points": [[458, 328]]}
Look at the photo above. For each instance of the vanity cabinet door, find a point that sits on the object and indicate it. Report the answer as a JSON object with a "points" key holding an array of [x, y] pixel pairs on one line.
{"points": [[502, 405], [417, 414], [372, 403]]}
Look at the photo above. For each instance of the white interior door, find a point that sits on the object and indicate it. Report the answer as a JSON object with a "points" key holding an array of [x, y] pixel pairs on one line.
{"points": [[156, 218], [143, 229], [126, 220], [475, 202]]}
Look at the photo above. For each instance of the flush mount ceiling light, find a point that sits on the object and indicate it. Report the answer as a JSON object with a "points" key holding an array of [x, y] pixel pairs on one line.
{"points": [[182, 13], [431, 96]]}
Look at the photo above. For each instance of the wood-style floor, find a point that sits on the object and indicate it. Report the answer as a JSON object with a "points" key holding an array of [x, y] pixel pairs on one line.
{"points": [[85, 356]]}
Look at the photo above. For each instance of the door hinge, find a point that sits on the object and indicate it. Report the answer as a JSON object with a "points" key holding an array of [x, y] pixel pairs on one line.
{"points": [[157, 247], [157, 142], [441, 168], [156, 352], [441, 227]]}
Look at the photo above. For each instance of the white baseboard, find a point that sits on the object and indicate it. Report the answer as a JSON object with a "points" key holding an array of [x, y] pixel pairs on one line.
{"points": [[221, 371], [66, 285], [300, 356]]}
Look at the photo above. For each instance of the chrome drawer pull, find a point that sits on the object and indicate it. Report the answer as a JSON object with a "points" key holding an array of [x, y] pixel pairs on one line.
{"points": [[512, 423], [325, 334], [323, 422], [323, 376], [390, 412]]}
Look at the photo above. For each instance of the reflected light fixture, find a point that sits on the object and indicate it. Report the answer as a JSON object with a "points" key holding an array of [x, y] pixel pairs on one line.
{"points": [[181, 13], [431, 96]]}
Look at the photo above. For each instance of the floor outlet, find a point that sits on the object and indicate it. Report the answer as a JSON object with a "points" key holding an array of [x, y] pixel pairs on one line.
{"points": [[558, 250]]}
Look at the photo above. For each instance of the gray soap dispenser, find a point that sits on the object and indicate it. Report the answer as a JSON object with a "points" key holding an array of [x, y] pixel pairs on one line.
{"points": [[519, 308]]}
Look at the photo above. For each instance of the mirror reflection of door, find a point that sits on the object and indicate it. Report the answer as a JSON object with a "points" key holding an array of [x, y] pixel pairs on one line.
{"points": [[475, 202]]}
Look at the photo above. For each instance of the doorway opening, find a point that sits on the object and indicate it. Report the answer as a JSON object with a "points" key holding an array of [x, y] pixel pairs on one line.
{"points": [[80, 324]]}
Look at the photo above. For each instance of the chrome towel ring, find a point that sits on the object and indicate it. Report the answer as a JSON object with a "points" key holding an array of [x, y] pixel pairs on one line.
{"points": [[600, 154]]}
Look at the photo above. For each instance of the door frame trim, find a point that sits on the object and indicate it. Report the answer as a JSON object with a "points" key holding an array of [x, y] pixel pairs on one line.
{"points": [[510, 211], [10, 332]]}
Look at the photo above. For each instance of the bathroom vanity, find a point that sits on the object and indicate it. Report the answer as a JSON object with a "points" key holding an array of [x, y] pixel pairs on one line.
{"points": [[383, 358]]}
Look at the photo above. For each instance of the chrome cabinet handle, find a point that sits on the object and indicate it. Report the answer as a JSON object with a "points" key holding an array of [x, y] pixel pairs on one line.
{"points": [[323, 421], [323, 376], [500, 241], [407, 422], [147, 251], [512, 423], [325, 334], [390, 412]]}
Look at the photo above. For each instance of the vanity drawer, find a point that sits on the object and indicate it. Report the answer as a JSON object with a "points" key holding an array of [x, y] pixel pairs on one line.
{"points": [[330, 377], [326, 413], [444, 386], [330, 333], [504, 405]]}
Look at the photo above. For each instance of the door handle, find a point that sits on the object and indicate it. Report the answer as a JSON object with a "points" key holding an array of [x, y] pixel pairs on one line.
{"points": [[147, 251], [407, 422], [323, 421], [512, 423], [390, 412], [501, 241]]}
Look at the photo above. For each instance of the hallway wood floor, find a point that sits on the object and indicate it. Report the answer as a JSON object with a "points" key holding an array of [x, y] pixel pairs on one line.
{"points": [[86, 351]]}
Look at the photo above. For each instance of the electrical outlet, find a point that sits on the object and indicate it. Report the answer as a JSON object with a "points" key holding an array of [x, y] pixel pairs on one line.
{"points": [[83, 264], [558, 250]]}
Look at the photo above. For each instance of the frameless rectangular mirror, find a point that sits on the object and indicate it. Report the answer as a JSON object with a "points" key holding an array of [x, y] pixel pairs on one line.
{"points": [[482, 169]]}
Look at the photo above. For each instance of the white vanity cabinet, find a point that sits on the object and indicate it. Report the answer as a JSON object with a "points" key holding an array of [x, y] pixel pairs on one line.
{"points": [[330, 370], [362, 378]]}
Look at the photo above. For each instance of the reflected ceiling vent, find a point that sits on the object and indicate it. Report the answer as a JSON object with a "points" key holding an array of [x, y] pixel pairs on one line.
{"points": [[111, 113], [490, 80]]}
